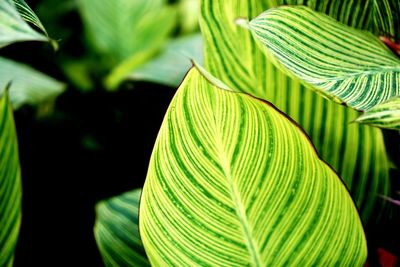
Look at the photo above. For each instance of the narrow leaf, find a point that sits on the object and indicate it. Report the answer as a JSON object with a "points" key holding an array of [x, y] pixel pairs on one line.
{"points": [[347, 65], [10, 184], [14, 26], [355, 151], [171, 66], [117, 232], [28, 86], [385, 115], [233, 182]]}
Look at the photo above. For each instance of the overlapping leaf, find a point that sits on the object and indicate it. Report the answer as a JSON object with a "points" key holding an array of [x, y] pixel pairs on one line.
{"points": [[117, 232], [28, 86], [233, 182], [10, 184], [386, 18], [385, 115], [171, 66], [14, 15], [345, 64], [356, 152]]}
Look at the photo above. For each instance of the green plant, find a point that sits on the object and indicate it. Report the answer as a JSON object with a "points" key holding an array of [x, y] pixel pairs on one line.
{"points": [[199, 184], [270, 155]]}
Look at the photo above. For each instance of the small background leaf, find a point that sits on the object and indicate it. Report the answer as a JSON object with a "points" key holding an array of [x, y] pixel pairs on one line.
{"points": [[13, 27], [170, 67], [28, 86], [117, 231]]}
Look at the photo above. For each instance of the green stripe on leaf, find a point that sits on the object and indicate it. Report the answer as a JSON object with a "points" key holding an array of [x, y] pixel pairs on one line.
{"points": [[10, 184], [234, 182]]}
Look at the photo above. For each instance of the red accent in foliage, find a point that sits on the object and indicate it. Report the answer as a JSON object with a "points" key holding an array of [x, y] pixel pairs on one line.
{"points": [[391, 44]]}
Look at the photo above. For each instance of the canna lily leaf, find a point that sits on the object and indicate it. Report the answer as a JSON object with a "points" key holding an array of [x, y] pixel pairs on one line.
{"points": [[233, 182], [386, 17], [117, 232], [14, 15], [126, 33], [28, 86], [10, 184], [172, 65], [345, 64], [356, 152], [385, 115]]}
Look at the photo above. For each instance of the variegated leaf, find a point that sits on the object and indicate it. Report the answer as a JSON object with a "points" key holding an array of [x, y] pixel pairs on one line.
{"points": [[347, 65], [117, 231], [10, 184], [356, 152], [234, 182], [385, 115]]}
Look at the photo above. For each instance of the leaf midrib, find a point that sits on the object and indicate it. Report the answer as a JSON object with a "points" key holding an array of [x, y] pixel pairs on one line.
{"points": [[240, 211]]}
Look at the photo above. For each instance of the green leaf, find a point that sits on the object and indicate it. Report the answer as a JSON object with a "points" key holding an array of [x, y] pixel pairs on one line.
{"points": [[385, 115], [170, 67], [387, 17], [347, 65], [14, 15], [120, 28], [355, 151], [28, 86], [234, 182], [117, 232], [10, 184]]}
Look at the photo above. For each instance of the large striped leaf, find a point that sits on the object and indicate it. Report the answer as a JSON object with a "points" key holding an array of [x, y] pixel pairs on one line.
{"points": [[385, 115], [233, 182], [126, 33], [28, 86], [356, 152], [347, 65], [117, 232], [10, 184], [171, 66], [14, 15]]}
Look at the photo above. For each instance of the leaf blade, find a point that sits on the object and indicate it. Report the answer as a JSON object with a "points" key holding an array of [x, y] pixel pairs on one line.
{"points": [[357, 152], [385, 115], [28, 86], [10, 185], [223, 187], [345, 64], [117, 232]]}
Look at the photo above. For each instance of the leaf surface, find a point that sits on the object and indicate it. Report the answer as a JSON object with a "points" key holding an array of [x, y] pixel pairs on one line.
{"points": [[117, 231], [356, 152], [171, 66], [10, 184], [28, 86], [14, 15], [385, 115], [234, 182], [347, 65]]}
